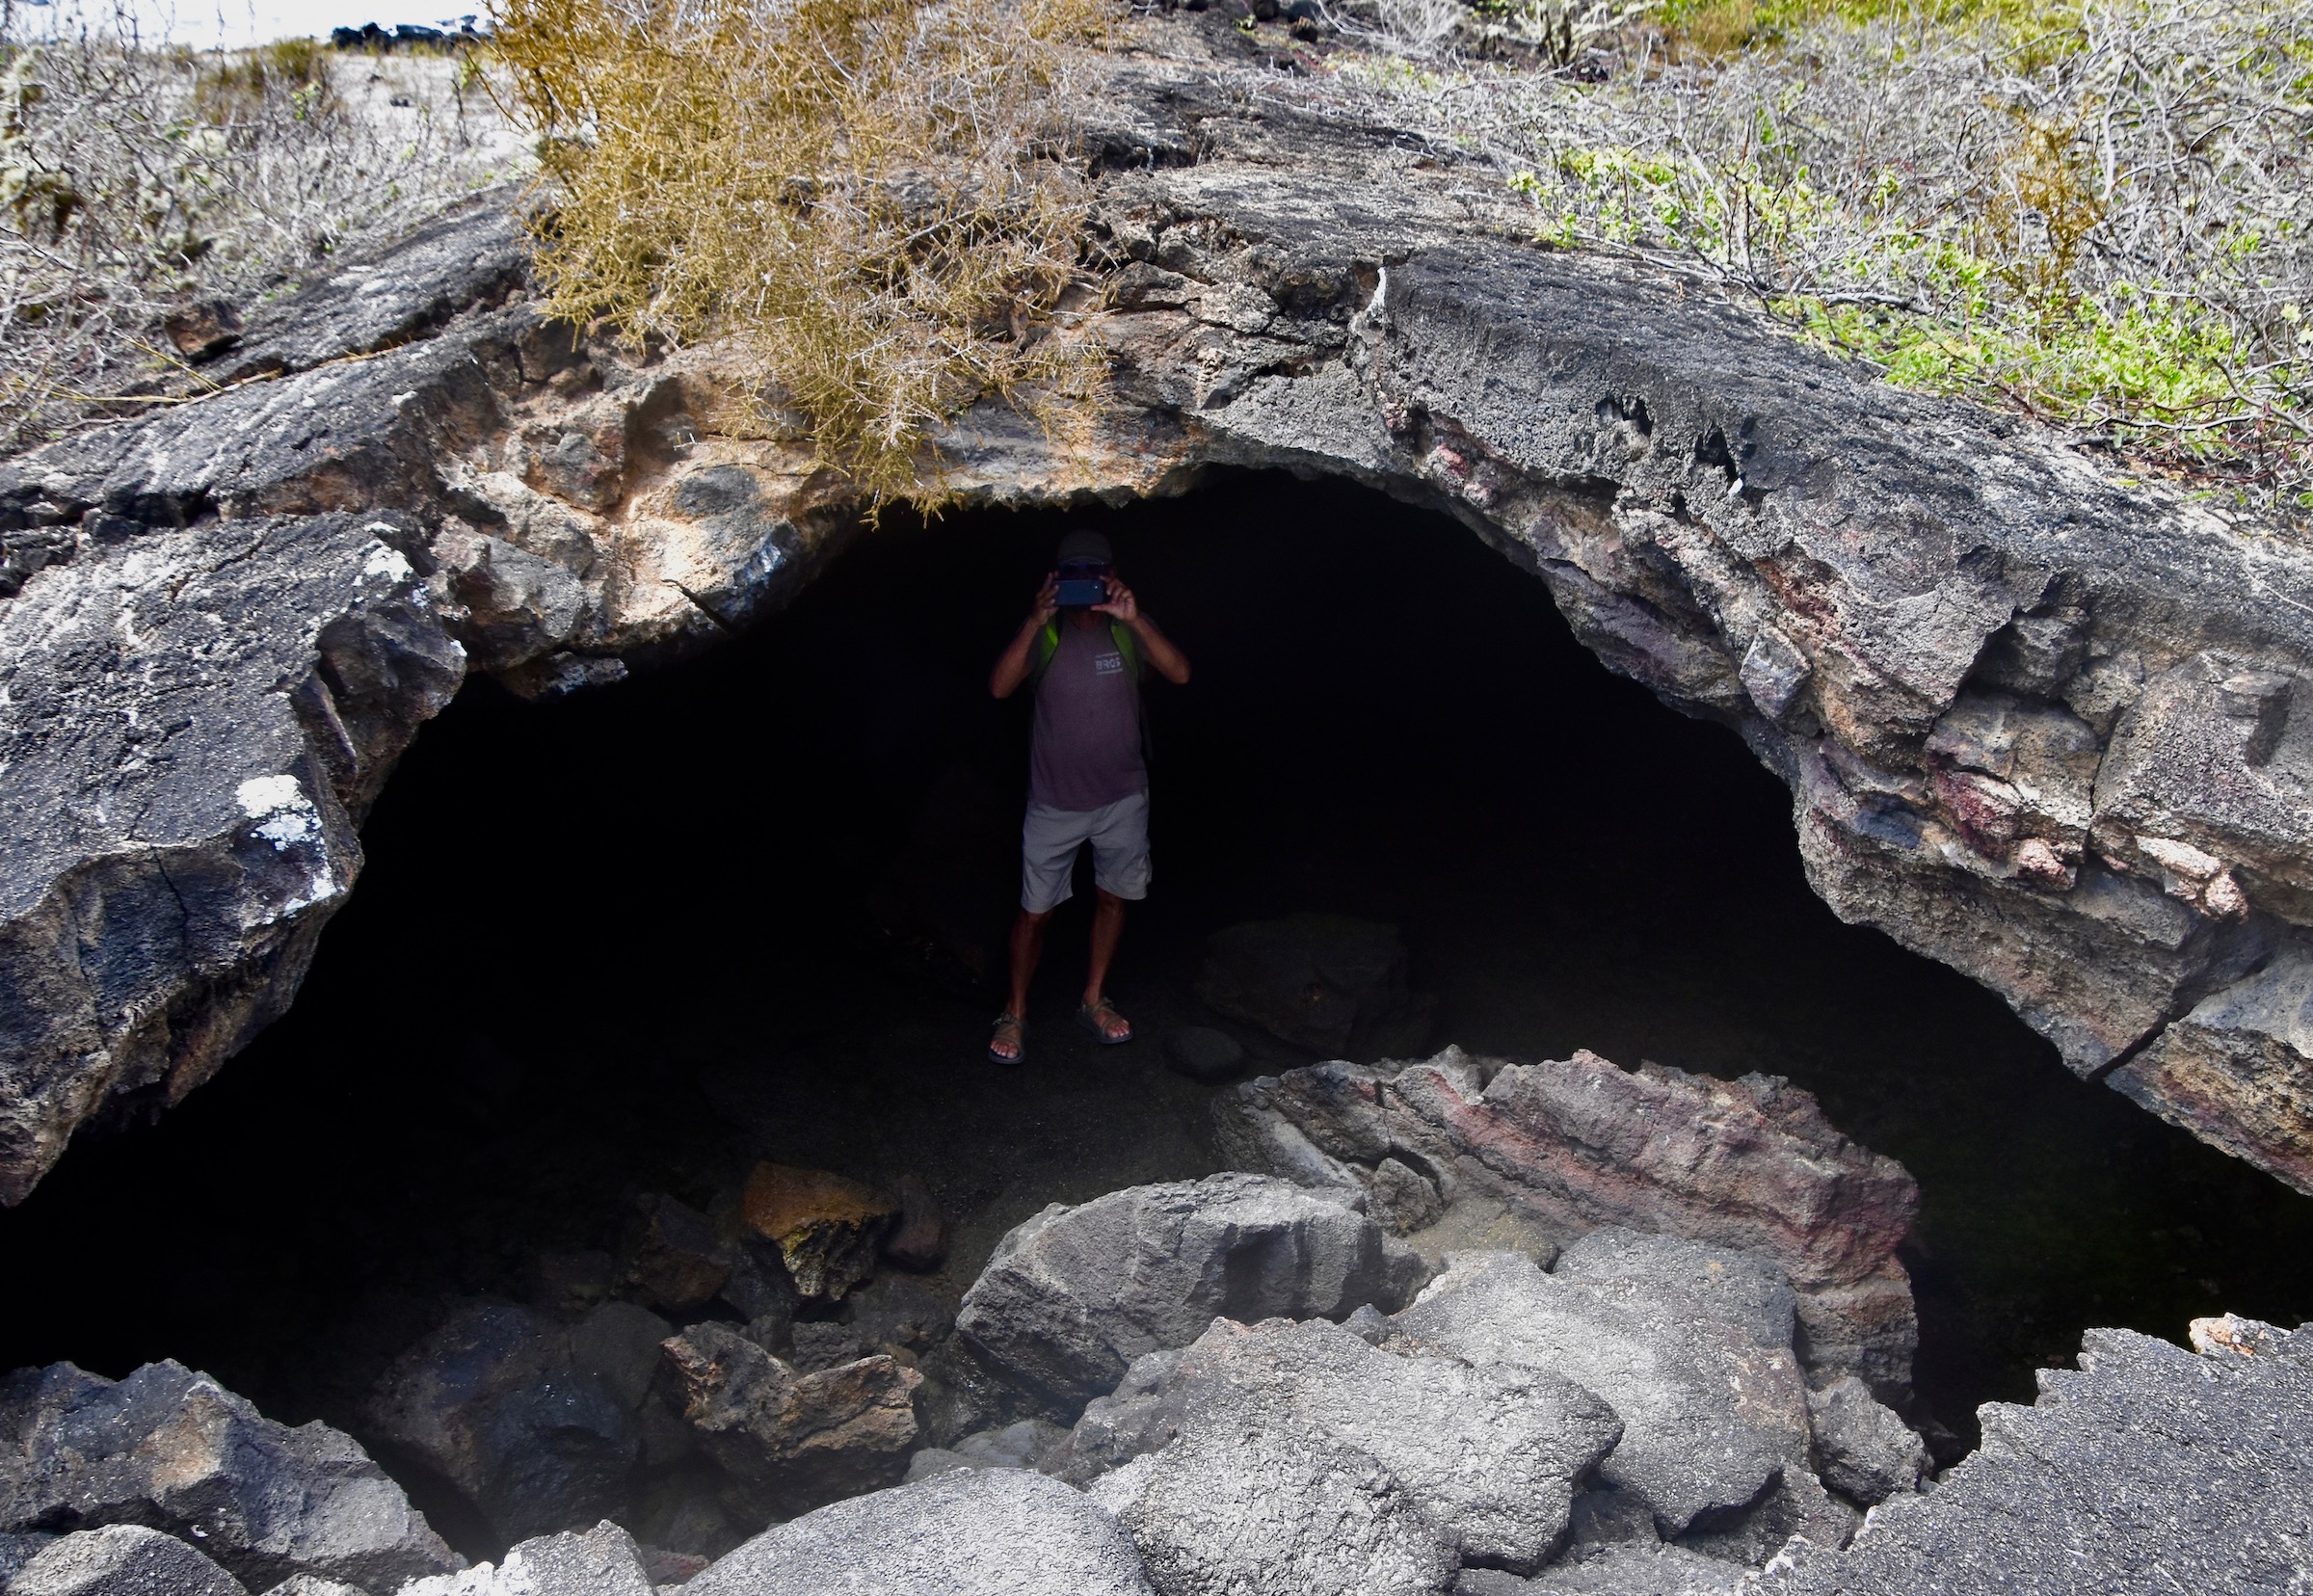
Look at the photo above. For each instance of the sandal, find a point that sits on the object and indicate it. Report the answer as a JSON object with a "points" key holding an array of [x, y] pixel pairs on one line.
{"points": [[1095, 1018], [1012, 1032]]}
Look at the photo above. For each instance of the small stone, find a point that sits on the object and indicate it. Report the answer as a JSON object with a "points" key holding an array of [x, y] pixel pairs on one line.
{"points": [[1862, 1449], [1204, 1054], [892, 1312], [123, 1559], [802, 1439], [205, 329], [827, 1227], [760, 1287], [822, 1345], [918, 1242], [677, 1262]]}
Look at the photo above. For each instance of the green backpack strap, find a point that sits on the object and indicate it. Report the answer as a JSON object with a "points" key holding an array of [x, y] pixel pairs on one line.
{"points": [[1039, 657], [1128, 646]]}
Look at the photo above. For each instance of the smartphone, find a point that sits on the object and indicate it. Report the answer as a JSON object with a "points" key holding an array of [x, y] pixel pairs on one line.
{"points": [[1082, 591]]}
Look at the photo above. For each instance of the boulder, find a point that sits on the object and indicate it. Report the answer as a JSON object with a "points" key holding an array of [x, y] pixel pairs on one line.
{"points": [[801, 1439], [675, 1258], [969, 1533], [123, 1559], [1142, 1415], [827, 1227], [603, 1562], [2147, 1468], [1862, 1450], [1203, 1053], [1323, 982], [1713, 1422], [1639, 1571], [313, 1584], [1487, 1456], [1072, 1297], [496, 1402], [1278, 1512], [172, 1449], [1576, 1143]]}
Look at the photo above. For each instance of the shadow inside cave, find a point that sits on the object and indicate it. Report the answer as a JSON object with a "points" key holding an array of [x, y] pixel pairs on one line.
{"points": [[618, 944]]}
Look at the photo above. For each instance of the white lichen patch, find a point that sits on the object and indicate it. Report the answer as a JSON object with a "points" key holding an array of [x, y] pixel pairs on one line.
{"points": [[284, 815], [388, 563]]}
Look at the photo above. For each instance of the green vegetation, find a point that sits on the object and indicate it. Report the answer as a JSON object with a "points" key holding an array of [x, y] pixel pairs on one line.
{"points": [[2098, 212], [864, 196]]}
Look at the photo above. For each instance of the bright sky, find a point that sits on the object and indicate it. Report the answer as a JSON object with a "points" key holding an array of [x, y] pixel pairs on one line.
{"points": [[207, 23]]}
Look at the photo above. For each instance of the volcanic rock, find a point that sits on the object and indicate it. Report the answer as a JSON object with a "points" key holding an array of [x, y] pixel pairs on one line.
{"points": [[1072, 1297], [1487, 1455], [603, 1562], [2039, 724], [1638, 1571], [170, 1449], [676, 1259], [968, 1532], [1712, 1419], [1024, 1445], [1203, 1053], [1323, 982], [2146, 1468], [801, 1439], [1578, 1143], [1277, 1512], [123, 1559], [918, 1238], [1862, 1450], [497, 1402], [827, 1227]]}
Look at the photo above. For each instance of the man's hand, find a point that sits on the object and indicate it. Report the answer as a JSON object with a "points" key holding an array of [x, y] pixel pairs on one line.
{"points": [[1012, 665], [1121, 603], [1168, 661]]}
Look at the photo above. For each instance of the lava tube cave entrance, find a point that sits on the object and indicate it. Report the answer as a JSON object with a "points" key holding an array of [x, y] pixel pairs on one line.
{"points": [[627, 943]]}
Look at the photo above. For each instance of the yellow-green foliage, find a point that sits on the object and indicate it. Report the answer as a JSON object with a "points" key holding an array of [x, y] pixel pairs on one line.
{"points": [[862, 194]]}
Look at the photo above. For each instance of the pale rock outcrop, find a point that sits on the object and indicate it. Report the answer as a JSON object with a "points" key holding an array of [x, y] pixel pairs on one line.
{"points": [[969, 1533], [170, 1449], [2036, 723], [1579, 1143], [1072, 1297]]}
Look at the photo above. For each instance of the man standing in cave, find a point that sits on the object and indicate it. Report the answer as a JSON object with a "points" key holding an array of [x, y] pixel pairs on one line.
{"points": [[1084, 646]]}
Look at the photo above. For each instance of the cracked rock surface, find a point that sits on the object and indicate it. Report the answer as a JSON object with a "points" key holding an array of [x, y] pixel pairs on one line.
{"points": [[2036, 725]]}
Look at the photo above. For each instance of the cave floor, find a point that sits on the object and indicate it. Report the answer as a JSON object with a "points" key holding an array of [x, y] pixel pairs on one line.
{"points": [[616, 944]]}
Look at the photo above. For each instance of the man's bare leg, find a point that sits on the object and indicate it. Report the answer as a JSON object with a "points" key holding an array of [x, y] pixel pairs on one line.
{"points": [[1009, 1044], [1108, 930]]}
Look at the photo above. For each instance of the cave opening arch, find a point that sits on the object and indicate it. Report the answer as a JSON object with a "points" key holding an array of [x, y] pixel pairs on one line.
{"points": [[625, 941]]}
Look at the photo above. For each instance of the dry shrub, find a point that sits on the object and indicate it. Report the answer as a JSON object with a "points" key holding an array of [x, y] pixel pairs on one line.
{"points": [[2099, 212], [135, 180], [869, 198]]}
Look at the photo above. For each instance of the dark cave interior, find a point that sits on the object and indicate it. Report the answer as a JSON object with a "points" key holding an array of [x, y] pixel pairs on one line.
{"points": [[621, 944]]}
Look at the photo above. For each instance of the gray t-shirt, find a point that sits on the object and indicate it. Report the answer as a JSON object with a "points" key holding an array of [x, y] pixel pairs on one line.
{"points": [[1086, 749]]}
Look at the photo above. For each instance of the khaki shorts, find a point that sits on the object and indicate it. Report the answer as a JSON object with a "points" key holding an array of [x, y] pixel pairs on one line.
{"points": [[1048, 840]]}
